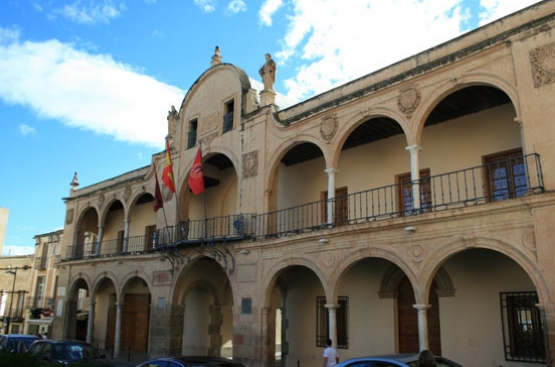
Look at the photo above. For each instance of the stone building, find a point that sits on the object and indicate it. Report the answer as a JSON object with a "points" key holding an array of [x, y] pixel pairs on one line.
{"points": [[411, 208]]}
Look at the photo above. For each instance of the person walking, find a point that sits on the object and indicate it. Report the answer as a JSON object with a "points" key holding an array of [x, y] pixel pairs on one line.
{"points": [[331, 357]]}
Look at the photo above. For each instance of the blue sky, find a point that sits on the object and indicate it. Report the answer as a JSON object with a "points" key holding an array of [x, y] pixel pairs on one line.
{"points": [[85, 85]]}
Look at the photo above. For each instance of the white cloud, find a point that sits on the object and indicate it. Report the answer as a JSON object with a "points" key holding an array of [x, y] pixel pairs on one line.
{"points": [[86, 91], [495, 9], [236, 6], [27, 130], [267, 11], [91, 12], [335, 43], [207, 6]]}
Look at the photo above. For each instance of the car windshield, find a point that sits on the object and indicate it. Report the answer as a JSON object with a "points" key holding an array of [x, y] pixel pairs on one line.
{"points": [[74, 351]]}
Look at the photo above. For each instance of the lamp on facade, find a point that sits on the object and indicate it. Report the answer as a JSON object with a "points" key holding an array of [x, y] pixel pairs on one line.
{"points": [[12, 271]]}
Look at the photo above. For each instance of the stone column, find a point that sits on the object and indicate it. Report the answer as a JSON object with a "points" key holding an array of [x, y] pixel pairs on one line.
{"points": [[415, 176], [99, 240], [126, 236], [331, 195], [422, 325], [90, 321], [268, 337], [117, 341], [214, 330], [332, 323]]}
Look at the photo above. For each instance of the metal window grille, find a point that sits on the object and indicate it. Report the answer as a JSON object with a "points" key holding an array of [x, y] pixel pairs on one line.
{"points": [[523, 330]]}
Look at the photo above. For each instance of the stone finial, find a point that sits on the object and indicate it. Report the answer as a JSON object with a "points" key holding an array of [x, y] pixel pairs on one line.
{"points": [[75, 182], [217, 57]]}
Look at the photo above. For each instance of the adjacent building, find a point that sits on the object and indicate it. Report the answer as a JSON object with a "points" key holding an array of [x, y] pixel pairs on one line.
{"points": [[411, 208]]}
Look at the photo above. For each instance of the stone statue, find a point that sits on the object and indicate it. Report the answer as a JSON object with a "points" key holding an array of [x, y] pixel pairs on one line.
{"points": [[268, 73], [172, 120]]}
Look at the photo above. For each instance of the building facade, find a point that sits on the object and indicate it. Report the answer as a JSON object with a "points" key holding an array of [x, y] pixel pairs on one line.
{"points": [[411, 208]]}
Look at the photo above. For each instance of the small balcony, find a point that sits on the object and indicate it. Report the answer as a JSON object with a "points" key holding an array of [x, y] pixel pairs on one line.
{"points": [[504, 180]]}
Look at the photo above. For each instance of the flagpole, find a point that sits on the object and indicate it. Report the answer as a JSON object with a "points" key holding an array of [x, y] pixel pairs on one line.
{"points": [[159, 192]]}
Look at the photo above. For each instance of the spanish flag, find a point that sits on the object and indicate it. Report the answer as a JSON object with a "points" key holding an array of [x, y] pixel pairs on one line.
{"points": [[167, 174], [196, 177]]}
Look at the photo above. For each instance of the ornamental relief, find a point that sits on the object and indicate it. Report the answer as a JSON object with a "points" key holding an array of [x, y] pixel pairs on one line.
{"points": [[100, 200], [69, 216], [328, 127], [250, 164], [408, 100], [542, 62], [127, 193]]}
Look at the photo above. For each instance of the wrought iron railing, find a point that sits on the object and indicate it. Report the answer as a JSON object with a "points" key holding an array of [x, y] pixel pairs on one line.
{"points": [[512, 178]]}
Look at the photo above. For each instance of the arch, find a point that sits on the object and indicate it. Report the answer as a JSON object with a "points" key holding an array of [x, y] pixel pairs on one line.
{"points": [[441, 91], [385, 253], [242, 78], [346, 129], [141, 274], [277, 268], [450, 247], [106, 210], [279, 152]]}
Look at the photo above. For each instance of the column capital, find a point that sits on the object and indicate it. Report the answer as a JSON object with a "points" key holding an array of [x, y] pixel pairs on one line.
{"points": [[413, 148], [331, 171], [421, 306], [331, 306]]}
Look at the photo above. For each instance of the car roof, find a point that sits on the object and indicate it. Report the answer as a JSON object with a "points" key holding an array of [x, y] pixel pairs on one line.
{"points": [[20, 336], [201, 360]]}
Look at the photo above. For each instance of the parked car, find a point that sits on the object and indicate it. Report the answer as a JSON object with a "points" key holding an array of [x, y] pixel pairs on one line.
{"points": [[69, 352], [17, 342], [190, 361], [393, 360]]}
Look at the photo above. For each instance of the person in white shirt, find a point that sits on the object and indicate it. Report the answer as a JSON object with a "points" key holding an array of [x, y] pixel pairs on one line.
{"points": [[331, 357]]}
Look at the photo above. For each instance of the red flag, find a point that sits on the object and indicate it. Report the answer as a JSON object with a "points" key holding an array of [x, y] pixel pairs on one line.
{"points": [[196, 177], [167, 174], [158, 200]]}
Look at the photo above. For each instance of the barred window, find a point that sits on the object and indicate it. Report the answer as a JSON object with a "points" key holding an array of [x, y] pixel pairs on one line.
{"points": [[322, 322], [523, 333]]}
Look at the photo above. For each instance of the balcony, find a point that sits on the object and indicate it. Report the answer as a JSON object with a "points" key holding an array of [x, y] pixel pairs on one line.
{"points": [[503, 180]]}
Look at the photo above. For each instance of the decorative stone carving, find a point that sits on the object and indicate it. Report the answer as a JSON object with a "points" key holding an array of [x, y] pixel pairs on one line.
{"points": [[417, 253], [206, 140], [328, 127], [100, 201], [127, 193], [542, 61], [408, 100], [250, 164], [172, 120], [69, 216], [529, 239]]}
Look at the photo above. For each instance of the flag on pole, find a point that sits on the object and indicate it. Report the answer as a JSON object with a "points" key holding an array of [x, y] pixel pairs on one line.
{"points": [[196, 177], [158, 200], [167, 174]]}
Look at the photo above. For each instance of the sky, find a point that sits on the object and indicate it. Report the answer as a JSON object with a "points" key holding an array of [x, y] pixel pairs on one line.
{"points": [[86, 85]]}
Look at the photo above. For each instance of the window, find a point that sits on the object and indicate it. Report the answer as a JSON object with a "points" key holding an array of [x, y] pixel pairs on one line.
{"points": [[523, 334], [229, 110], [340, 207], [404, 195], [39, 292], [322, 322], [192, 133], [150, 237], [505, 175]]}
